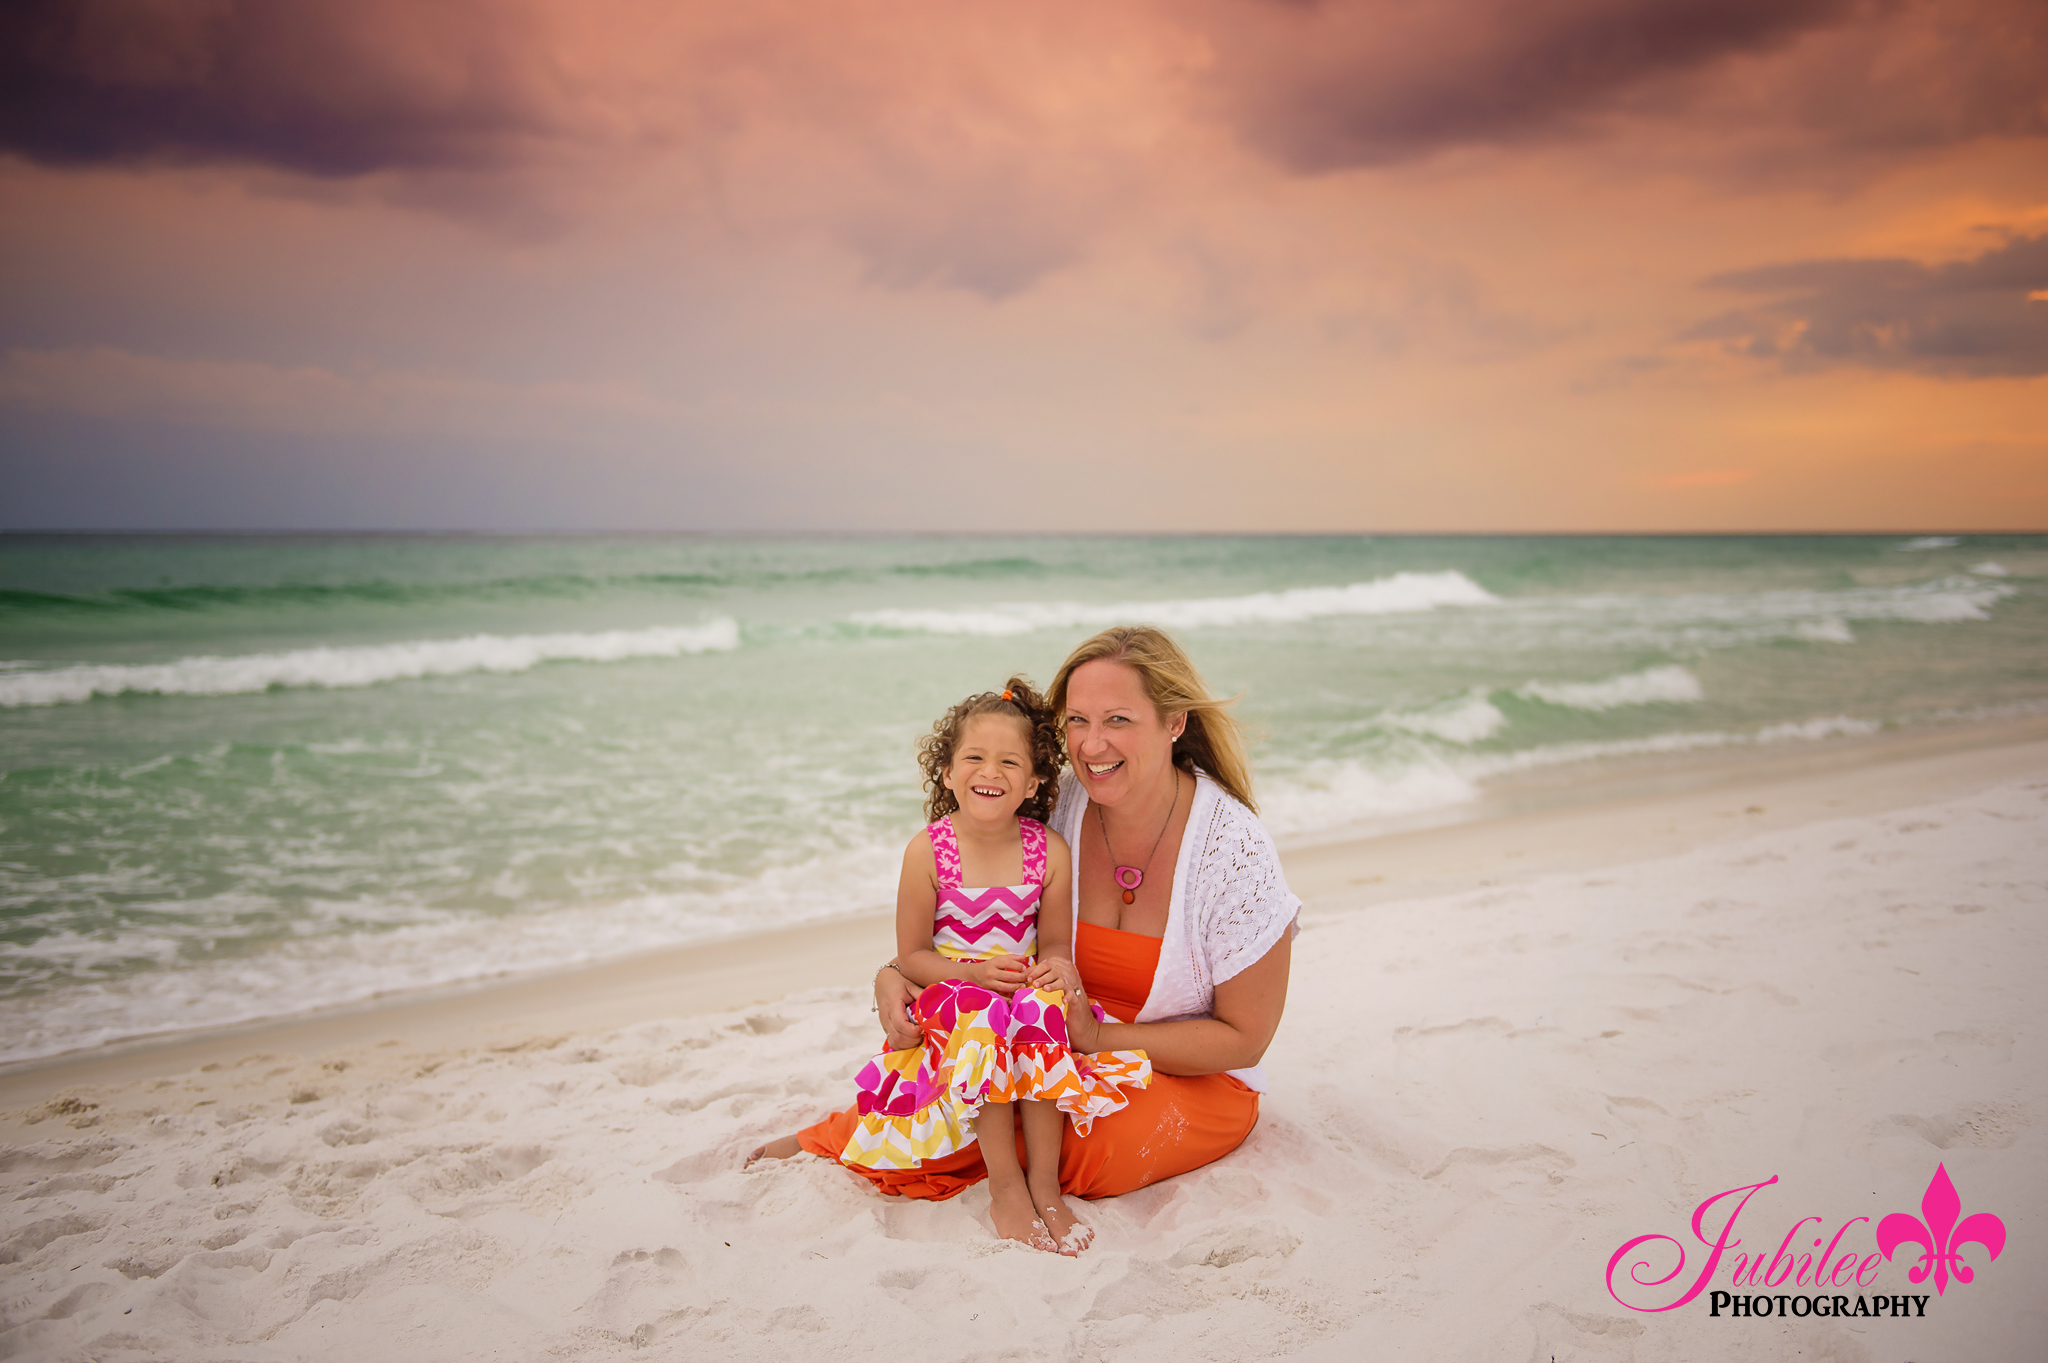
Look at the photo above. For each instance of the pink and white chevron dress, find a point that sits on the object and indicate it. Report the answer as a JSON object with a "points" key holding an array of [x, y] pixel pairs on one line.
{"points": [[919, 1103]]}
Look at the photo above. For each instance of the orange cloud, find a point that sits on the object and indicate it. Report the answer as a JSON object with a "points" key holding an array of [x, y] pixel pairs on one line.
{"points": [[1705, 478]]}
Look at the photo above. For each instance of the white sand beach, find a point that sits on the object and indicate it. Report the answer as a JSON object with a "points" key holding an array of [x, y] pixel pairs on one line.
{"points": [[1510, 1047]]}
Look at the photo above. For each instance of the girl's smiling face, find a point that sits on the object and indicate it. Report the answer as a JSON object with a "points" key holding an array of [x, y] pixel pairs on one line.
{"points": [[991, 773]]}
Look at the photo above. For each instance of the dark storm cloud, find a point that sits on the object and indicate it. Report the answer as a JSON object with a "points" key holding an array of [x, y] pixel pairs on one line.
{"points": [[1359, 82], [1979, 318], [323, 87], [343, 87], [1340, 83]]}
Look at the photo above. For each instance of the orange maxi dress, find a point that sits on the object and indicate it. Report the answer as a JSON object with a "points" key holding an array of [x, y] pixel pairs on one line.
{"points": [[1180, 1123]]}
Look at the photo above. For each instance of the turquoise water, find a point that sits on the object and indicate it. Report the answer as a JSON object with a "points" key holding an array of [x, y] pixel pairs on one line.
{"points": [[247, 776]]}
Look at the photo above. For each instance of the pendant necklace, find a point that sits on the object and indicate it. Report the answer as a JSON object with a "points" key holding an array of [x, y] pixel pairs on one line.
{"points": [[1131, 877]]}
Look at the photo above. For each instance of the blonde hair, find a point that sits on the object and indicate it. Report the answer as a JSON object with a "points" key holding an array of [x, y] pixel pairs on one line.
{"points": [[1213, 739]]}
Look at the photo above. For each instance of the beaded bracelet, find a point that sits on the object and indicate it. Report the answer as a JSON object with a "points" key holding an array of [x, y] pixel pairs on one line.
{"points": [[876, 1008]]}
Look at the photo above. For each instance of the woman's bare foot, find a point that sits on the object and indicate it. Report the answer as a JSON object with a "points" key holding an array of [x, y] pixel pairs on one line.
{"points": [[1069, 1234], [780, 1148], [1010, 1207]]}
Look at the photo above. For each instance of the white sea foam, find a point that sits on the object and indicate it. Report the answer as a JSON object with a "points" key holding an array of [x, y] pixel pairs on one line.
{"points": [[1954, 600], [1667, 685], [1401, 594], [1333, 795], [1690, 623], [1945, 601], [1807, 731], [359, 665], [1991, 570], [1473, 717], [1467, 719], [1721, 620], [1930, 542], [1560, 754], [421, 949], [1828, 631]]}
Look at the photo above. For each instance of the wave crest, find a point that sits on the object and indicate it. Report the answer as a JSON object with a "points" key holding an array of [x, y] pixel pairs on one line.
{"points": [[1325, 796], [1403, 593], [359, 665], [1465, 719], [1667, 685]]}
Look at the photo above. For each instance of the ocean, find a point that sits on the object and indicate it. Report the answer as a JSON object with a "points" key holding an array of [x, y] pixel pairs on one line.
{"points": [[248, 776]]}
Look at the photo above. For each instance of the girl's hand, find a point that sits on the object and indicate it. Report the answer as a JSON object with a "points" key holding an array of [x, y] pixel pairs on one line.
{"points": [[1003, 974], [1057, 972]]}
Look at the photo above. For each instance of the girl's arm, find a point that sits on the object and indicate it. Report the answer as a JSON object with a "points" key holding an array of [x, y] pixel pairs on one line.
{"points": [[1055, 969], [917, 896], [1056, 902], [1234, 1037]]}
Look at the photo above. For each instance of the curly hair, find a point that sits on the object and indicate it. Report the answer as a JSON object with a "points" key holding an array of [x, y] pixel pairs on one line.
{"points": [[935, 750]]}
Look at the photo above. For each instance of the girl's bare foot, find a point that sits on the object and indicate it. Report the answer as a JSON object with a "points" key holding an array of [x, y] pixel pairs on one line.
{"points": [[1069, 1234], [1011, 1210], [780, 1148]]}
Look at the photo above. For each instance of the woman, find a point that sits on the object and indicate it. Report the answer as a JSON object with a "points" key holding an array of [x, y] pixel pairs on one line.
{"points": [[1183, 925]]}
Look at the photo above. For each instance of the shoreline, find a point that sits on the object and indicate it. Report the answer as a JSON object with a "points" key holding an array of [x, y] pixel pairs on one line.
{"points": [[1511, 1046], [1619, 811]]}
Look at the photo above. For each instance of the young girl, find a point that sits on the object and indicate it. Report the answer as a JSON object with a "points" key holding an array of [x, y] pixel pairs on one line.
{"points": [[992, 1036]]}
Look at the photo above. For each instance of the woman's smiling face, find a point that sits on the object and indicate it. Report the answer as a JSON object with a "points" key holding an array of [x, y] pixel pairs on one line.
{"points": [[1120, 744], [991, 772]]}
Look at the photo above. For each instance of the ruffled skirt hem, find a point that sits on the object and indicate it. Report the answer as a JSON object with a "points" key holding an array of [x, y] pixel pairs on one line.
{"points": [[920, 1103]]}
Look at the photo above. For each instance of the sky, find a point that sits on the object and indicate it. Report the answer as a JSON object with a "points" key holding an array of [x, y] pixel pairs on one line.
{"points": [[962, 266]]}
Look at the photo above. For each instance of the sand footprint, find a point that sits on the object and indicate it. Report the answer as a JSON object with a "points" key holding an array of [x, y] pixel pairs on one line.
{"points": [[1240, 1242]]}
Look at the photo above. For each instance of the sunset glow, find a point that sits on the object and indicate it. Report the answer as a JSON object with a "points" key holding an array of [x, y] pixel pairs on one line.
{"points": [[1570, 265]]}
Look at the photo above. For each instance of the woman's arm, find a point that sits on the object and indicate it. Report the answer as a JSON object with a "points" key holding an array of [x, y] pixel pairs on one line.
{"points": [[894, 993], [1247, 1013]]}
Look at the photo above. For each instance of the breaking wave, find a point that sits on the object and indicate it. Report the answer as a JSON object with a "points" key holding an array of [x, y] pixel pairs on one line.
{"points": [[1669, 685], [1401, 594], [1326, 796], [379, 950], [1467, 719], [357, 665]]}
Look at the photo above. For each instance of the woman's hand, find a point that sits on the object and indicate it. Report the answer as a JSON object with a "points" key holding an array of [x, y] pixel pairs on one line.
{"points": [[1234, 1036], [1084, 1033], [1003, 974], [894, 994]]}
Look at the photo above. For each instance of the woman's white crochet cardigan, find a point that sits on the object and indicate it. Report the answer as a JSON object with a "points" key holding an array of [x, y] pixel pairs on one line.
{"points": [[1230, 902]]}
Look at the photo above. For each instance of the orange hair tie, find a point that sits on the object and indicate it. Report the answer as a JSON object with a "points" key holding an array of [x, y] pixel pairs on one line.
{"points": [[1008, 696]]}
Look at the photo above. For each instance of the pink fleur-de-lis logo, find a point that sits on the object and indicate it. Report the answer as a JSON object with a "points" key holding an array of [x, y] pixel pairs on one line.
{"points": [[1940, 1236]]}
